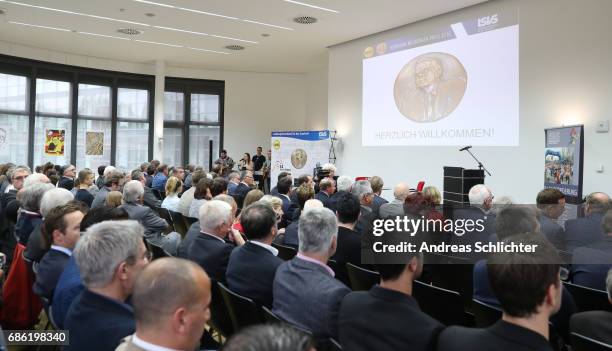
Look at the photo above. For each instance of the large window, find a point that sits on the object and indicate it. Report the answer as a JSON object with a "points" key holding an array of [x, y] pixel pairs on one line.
{"points": [[14, 119], [53, 124], [94, 126], [132, 136]]}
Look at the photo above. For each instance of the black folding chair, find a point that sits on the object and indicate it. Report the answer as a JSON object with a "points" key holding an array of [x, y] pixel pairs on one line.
{"points": [[339, 271], [178, 222], [361, 278], [583, 343], [485, 314], [328, 344], [163, 213], [242, 310], [441, 304], [588, 299], [156, 193], [270, 317], [220, 318], [157, 251], [285, 252], [189, 221], [456, 274]]}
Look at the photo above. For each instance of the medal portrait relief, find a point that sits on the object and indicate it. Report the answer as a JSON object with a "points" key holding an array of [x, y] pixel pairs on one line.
{"points": [[298, 158]]}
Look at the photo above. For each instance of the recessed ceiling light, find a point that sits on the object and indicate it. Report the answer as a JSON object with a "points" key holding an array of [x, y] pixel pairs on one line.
{"points": [[311, 6], [38, 26], [305, 20], [158, 43], [205, 34], [265, 35], [129, 31], [150, 14], [103, 35], [235, 47], [213, 51]]}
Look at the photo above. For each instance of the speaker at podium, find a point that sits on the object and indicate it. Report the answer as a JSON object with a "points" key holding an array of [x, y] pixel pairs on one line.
{"points": [[457, 184]]}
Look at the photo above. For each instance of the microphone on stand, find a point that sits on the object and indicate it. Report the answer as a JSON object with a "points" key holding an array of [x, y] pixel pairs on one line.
{"points": [[465, 148]]}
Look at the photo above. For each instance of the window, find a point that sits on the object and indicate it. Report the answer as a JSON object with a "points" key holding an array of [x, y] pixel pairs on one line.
{"points": [[174, 105], [94, 101], [199, 143], [173, 146], [52, 97], [205, 108], [13, 92], [132, 145], [14, 139], [133, 104]]}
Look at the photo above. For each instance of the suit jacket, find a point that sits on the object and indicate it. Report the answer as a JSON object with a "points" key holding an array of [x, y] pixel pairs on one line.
{"points": [[475, 214], [240, 193], [391, 209], [49, 270], [307, 295], [250, 272], [84, 196], [332, 203], [192, 233], [583, 231], [291, 234], [366, 218], [349, 247], [150, 200], [590, 264], [212, 254], [364, 322], [10, 205], [378, 201], [25, 225], [68, 288], [153, 224], [500, 336], [323, 197], [100, 198], [552, 230], [231, 187], [288, 209], [98, 323], [593, 324], [66, 183], [35, 251]]}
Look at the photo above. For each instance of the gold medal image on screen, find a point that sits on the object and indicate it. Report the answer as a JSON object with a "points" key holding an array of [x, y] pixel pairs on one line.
{"points": [[298, 158], [429, 87]]}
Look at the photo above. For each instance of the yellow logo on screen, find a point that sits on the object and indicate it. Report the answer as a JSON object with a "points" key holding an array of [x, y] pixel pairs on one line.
{"points": [[276, 144]]}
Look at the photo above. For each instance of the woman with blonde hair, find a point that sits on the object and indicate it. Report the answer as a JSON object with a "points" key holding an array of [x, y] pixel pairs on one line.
{"points": [[113, 199], [252, 196], [174, 187]]}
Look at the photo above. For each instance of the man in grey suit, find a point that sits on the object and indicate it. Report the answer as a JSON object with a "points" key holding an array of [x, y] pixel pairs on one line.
{"points": [[133, 195], [113, 181], [396, 207], [551, 205], [150, 200], [304, 289]]}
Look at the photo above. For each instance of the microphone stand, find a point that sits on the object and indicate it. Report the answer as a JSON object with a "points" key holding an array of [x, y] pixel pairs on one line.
{"points": [[480, 165]]}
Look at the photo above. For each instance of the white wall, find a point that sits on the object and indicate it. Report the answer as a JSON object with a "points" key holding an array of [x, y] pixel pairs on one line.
{"points": [[565, 75], [316, 99], [255, 103]]}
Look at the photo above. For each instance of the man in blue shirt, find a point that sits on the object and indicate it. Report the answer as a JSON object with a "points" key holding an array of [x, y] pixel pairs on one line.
{"points": [[160, 178]]}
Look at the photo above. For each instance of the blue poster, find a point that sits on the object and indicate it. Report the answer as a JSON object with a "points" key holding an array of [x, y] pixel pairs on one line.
{"points": [[563, 160]]}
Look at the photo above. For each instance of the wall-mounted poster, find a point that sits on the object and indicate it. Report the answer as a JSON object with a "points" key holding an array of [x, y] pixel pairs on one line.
{"points": [[94, 143], [564, 161], [54, 142]]}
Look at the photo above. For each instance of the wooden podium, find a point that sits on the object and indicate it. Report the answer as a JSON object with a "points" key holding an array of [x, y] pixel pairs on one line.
{"points": [[457, 184]]}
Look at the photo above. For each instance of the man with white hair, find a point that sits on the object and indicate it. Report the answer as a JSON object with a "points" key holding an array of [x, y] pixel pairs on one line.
{"points": [[396, 207], [363, 191], [305, 291], [481, 203], [29, 217], [210, 249], [67, 179], [110, 256], [595, 324], [343, 185], [330, 169], [8, 201], [113, 181], [133, 197]]}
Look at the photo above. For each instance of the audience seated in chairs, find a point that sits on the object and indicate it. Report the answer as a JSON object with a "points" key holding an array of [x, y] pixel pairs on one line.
{"points": [[150, 200], [528, 287], [377, 184], [62, 230], [188, 196], [243, 188], [251, 267], [113, 181], [305, 291], [481, 205], [166, 317], [586, 230], [327, 187], [591, 263], [343, 185], [349, 241], [303, 194], [133, 193], [396, 207], [363, 191], [596, 325], [210, 248], [110, 256]]}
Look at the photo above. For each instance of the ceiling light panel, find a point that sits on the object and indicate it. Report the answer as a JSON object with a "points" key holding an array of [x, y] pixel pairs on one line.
{"points": [[311, 6]]}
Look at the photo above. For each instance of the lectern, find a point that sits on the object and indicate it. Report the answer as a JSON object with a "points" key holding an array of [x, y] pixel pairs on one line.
{"points": [[457, 184]]}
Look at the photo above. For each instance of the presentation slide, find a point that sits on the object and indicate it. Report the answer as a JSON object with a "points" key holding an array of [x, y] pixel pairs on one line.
{"points": [[458, 85]]}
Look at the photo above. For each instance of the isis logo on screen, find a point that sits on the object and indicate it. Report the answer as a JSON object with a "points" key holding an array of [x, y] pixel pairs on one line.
{"points": [[323, 134], [487, 21]]}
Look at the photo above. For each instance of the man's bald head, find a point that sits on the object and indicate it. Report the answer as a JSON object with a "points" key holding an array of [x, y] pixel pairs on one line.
{"points": [[401, 191], [165, 286], [597, 203]]}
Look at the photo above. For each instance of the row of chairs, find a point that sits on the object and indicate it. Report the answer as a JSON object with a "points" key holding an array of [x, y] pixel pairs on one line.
{"points": [[176, 221]]}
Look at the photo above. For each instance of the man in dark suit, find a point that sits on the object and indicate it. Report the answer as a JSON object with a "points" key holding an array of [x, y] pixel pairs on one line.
{"points": [[281, 175], [529, 290], [362, 190], [396, 207], [242, 189], [188, 240], [481, 202], [586, 230], [377, 185], [303, 193], [364, 322], [551, 205], [149, 199], [251, 267], [110, 256], [595, 324], [113, 181], [61, 233], [349, 241], [284, 189], [590, 264], [327, 187], [343, 185], [210, 249], [67, 179], [305, 291], [133, 195]]}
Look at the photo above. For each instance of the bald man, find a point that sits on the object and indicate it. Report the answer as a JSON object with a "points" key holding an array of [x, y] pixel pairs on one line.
{"points": [[167, 317], [395, 207], [586, 230]]}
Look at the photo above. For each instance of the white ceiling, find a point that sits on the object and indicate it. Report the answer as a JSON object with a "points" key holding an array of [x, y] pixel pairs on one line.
{"points": [[302, 49]]}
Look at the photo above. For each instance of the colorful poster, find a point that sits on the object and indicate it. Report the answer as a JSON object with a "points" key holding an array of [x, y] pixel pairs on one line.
{"points": [[54, 142], [563, 161], [94, 143], [298, 152]]}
